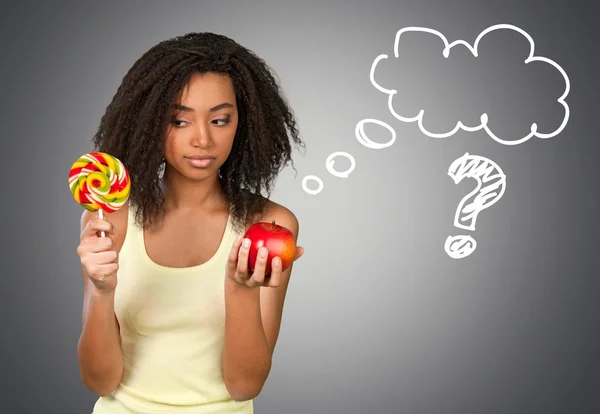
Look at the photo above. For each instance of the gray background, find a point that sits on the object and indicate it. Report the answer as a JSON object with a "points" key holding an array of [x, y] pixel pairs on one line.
{"points": [[378, 318]]}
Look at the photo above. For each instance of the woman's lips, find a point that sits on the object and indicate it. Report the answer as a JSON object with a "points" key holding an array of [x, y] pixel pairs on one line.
{"points": [[200, 161]]}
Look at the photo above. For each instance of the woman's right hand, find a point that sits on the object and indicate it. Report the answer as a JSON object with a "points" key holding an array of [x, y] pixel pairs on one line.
{"points": [[98, 255]]}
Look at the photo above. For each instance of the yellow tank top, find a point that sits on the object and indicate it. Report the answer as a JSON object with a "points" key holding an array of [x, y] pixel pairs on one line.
{"points": [[172, 323]]}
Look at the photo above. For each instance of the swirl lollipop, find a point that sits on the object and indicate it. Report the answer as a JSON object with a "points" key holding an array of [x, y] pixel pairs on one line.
{"points": [[99, 182]]}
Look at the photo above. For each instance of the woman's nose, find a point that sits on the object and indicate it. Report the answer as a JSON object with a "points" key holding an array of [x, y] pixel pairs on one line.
{"points": [[201, 137]]}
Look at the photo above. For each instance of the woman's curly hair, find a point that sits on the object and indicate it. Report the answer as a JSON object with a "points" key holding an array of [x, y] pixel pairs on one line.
{"points": [[135, 123]]}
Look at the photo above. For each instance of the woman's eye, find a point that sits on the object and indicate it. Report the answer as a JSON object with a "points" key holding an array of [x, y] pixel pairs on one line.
{"points": [[223, 121], [178, 122]]}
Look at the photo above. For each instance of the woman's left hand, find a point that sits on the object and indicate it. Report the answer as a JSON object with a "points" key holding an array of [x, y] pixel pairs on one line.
{"points": [[237, 266]]}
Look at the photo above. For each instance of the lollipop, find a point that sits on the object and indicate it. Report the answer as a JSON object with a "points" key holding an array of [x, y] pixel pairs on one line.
{"points": [[99, 182]]}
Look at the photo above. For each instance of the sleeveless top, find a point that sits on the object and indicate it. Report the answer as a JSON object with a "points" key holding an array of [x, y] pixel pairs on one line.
{"points": [[172, 323]]}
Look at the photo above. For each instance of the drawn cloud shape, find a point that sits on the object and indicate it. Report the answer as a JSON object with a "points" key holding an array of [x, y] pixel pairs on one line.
{"points": [[484, 117]]}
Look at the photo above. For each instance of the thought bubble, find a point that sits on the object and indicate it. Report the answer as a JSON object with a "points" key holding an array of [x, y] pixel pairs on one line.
{"points": [[489, 177], [484, 117]]}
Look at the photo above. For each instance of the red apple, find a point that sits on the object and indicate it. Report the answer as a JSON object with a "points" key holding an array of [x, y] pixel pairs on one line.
{"points": [[278, 240]]}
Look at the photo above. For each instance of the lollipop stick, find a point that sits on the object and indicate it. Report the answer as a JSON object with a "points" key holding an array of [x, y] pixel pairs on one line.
{"points": [[101, 217]]}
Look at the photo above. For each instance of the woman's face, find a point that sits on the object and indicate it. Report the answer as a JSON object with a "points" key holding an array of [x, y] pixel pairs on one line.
{"points": [[202, 128]]}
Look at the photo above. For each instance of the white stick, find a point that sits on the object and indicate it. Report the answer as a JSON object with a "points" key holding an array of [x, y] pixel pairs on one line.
{"points": [[101, 217]]}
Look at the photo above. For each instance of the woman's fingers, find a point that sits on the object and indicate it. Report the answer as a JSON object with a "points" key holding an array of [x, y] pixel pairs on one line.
{"points": [[274, 279], [232, 259], [95, 226], [242, 266], [260, 267], [239, 269]]}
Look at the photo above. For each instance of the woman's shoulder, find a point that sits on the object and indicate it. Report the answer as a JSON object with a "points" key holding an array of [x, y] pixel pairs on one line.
{"points": [[119, 219]]}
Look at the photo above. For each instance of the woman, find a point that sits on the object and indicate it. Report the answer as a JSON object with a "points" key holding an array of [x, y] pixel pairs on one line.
{"points": [[173, 320]]}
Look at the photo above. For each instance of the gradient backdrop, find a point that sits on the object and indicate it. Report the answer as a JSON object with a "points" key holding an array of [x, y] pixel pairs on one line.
{"points": [[379, 319]]}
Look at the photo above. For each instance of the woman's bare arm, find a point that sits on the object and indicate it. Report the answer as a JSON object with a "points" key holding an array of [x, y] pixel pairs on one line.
{"points": [[99, 348]]}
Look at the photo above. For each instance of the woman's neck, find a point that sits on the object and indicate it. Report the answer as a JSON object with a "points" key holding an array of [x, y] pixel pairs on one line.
{"points": [[183, 194]]}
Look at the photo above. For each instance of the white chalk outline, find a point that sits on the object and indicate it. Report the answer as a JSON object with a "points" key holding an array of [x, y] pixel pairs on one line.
{"points": [[482, 170], [329, 164], [484, 116], [317, 179], [467, 245], [361, 136]]}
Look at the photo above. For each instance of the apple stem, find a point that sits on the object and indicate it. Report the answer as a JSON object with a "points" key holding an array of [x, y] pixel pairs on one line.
{"points": [[272, 224]]}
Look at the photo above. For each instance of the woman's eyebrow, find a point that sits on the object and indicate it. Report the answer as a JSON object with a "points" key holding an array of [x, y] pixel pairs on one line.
{"points": [[214, 108]]}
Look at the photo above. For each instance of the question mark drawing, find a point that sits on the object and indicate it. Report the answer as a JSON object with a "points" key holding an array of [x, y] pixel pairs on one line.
{"points": [[491, 184]]}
